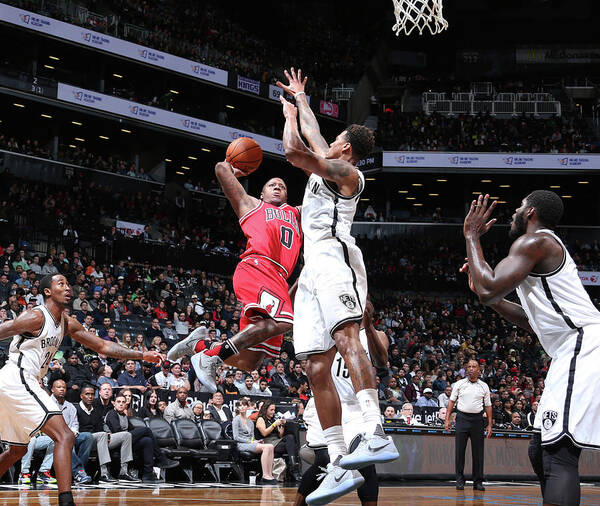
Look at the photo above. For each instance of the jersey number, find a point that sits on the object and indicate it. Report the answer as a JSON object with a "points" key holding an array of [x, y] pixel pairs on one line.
{"points": [[343, 372], [287, 236], [47, 359]]}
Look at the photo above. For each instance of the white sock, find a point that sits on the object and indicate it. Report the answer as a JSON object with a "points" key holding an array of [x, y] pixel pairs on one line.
{"points": [[336, 445], [104, 470], [124, 468], [369, 405]]}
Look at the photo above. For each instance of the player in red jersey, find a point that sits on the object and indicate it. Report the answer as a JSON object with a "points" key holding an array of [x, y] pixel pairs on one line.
{"points": [[272, 228]]}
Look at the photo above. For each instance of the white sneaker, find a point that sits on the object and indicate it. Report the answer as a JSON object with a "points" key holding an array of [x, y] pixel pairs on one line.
{"points": [[336, 483], [372, 449], [205, 368], [187, 346]]}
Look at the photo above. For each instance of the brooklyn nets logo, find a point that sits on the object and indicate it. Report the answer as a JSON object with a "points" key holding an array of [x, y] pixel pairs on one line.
{"points": [[548, 419], [348, 301]]}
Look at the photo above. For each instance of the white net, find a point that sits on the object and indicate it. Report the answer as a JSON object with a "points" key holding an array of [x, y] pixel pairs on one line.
{"points": [[419, 14]]}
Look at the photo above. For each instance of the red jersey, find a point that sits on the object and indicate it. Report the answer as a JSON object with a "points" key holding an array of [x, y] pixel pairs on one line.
{"points": [[273, 232]]}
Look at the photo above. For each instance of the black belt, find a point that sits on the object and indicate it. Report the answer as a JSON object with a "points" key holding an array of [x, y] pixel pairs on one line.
{"points": [[470, 414]]}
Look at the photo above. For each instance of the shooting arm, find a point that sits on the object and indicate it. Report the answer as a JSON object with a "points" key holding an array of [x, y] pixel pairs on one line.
{"points": [[513, 313], [240, 201], [309, 126], [493, 284]]}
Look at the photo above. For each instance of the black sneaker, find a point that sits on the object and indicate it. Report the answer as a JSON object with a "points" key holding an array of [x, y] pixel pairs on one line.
{"points": [[166, 463], [107, 478], [268, 482], [151, 480], [128, 477]]}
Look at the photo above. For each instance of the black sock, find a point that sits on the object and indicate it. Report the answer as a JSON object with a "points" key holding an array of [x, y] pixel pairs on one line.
{"points": [[227, 350], [65, 498]]}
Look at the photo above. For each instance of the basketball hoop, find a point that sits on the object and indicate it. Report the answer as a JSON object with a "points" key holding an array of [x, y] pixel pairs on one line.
{"points": [[419, 14]]}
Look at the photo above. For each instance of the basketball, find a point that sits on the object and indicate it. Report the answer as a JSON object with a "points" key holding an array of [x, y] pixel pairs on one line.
{"points": [[244, 154]]}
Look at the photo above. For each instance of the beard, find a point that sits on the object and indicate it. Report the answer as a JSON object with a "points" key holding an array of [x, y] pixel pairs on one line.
{"points": [[520, 227]]}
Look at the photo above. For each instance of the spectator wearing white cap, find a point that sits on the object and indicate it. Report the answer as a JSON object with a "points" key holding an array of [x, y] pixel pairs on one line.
{"points": [[427, 400], [197, 305]]}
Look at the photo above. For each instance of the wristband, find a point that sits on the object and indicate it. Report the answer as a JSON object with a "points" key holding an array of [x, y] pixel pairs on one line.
{"points": [[274, 424], [299, 93]]}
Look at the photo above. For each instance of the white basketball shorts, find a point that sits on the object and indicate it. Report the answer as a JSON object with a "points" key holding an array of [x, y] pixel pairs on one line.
{"points": [[570, 404], [24, 405], [332, 290], [352, 423]]}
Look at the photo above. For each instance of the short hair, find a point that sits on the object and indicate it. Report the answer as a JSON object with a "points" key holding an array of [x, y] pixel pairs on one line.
{"points": [[548, 205], [46, 282], [361, 139]]}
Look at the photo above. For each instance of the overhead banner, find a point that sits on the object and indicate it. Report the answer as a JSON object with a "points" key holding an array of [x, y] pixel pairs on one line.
{"points": [[128, 228], [590, 278], [133, 110], [249, 85], [419, 159], [109, 44], [557, 56]]}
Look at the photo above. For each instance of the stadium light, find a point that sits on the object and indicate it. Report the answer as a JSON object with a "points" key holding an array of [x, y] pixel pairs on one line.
{"points": [[192, 157], [417, 184], [402, 191], [442, 180], [168, 160], [125, 130], [175, 92], [567, 196], [434, 194], [79, 139], [77, 123], [181, 173], [49, 67], [504, 186], [370, 179], [103, 137], [230, 106], [118, 76], [411, 198], [206, 150], [56, 58], [583, 182], [19, 105], [46, 116], [185, 167], [486, 180]]}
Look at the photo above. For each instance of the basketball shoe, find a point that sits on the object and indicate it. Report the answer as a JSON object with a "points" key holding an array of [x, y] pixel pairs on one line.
{"points": [[205, 367], [187, 346], [336, 483], [372, 449]]}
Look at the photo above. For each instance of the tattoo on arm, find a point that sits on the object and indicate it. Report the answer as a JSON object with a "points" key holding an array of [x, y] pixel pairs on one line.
{"points": [[337, 169], [115, 350]]}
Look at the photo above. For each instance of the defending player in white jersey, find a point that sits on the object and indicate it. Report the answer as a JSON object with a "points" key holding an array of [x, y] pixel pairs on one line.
{"points": [[332, 287], [25, 407], [557, 308], [376, 344]]}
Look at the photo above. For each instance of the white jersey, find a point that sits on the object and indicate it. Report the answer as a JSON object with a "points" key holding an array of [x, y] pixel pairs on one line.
{"points": [[32, 354], [556, 303], [326, 213]]}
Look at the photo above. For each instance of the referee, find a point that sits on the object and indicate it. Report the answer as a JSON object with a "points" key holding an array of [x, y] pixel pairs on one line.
{"points": [[471, 396]]}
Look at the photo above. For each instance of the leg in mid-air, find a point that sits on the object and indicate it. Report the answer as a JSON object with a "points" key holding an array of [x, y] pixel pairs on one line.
{"points": [[206, 361], [374, 447], [336, 481]]}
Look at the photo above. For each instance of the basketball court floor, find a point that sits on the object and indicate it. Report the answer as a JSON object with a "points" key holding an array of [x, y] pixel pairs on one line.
{"points": [[409, 494]]}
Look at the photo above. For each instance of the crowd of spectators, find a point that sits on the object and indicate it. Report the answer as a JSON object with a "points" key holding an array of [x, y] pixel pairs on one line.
{"points": [[77, 155], [329, 48], [483, 133]]}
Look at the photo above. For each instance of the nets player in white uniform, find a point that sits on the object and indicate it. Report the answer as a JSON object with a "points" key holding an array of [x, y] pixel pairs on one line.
{"points": [[332, 287], [376, 344], [25, 407], [557, 308]]}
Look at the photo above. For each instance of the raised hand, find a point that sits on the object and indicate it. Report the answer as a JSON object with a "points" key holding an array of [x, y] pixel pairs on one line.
{"points": [[295, 82], [477, 221], [465, 269]]}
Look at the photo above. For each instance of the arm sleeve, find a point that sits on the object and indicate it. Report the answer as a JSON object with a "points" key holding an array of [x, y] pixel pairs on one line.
{"points": [[454, 394], [487, 401]]}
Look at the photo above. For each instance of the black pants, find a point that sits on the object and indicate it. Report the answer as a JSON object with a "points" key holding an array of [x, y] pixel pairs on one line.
{"points": [[143, 442], [286, 445], [557, 467], [469, 426]]}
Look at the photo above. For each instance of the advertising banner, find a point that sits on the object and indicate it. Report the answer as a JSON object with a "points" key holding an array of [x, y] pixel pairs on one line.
{"points": [[249, 85], [589, 278], [555, 56], [441, 159], [109, 44], [275, 92], [128, 228], [329, 108], [126, 108]]}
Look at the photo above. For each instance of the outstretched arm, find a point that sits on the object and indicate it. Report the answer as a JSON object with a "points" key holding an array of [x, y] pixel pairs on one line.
{"points": [[240, 201], [340, 172], [108, 348], [489, 284], [308, 122]]}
